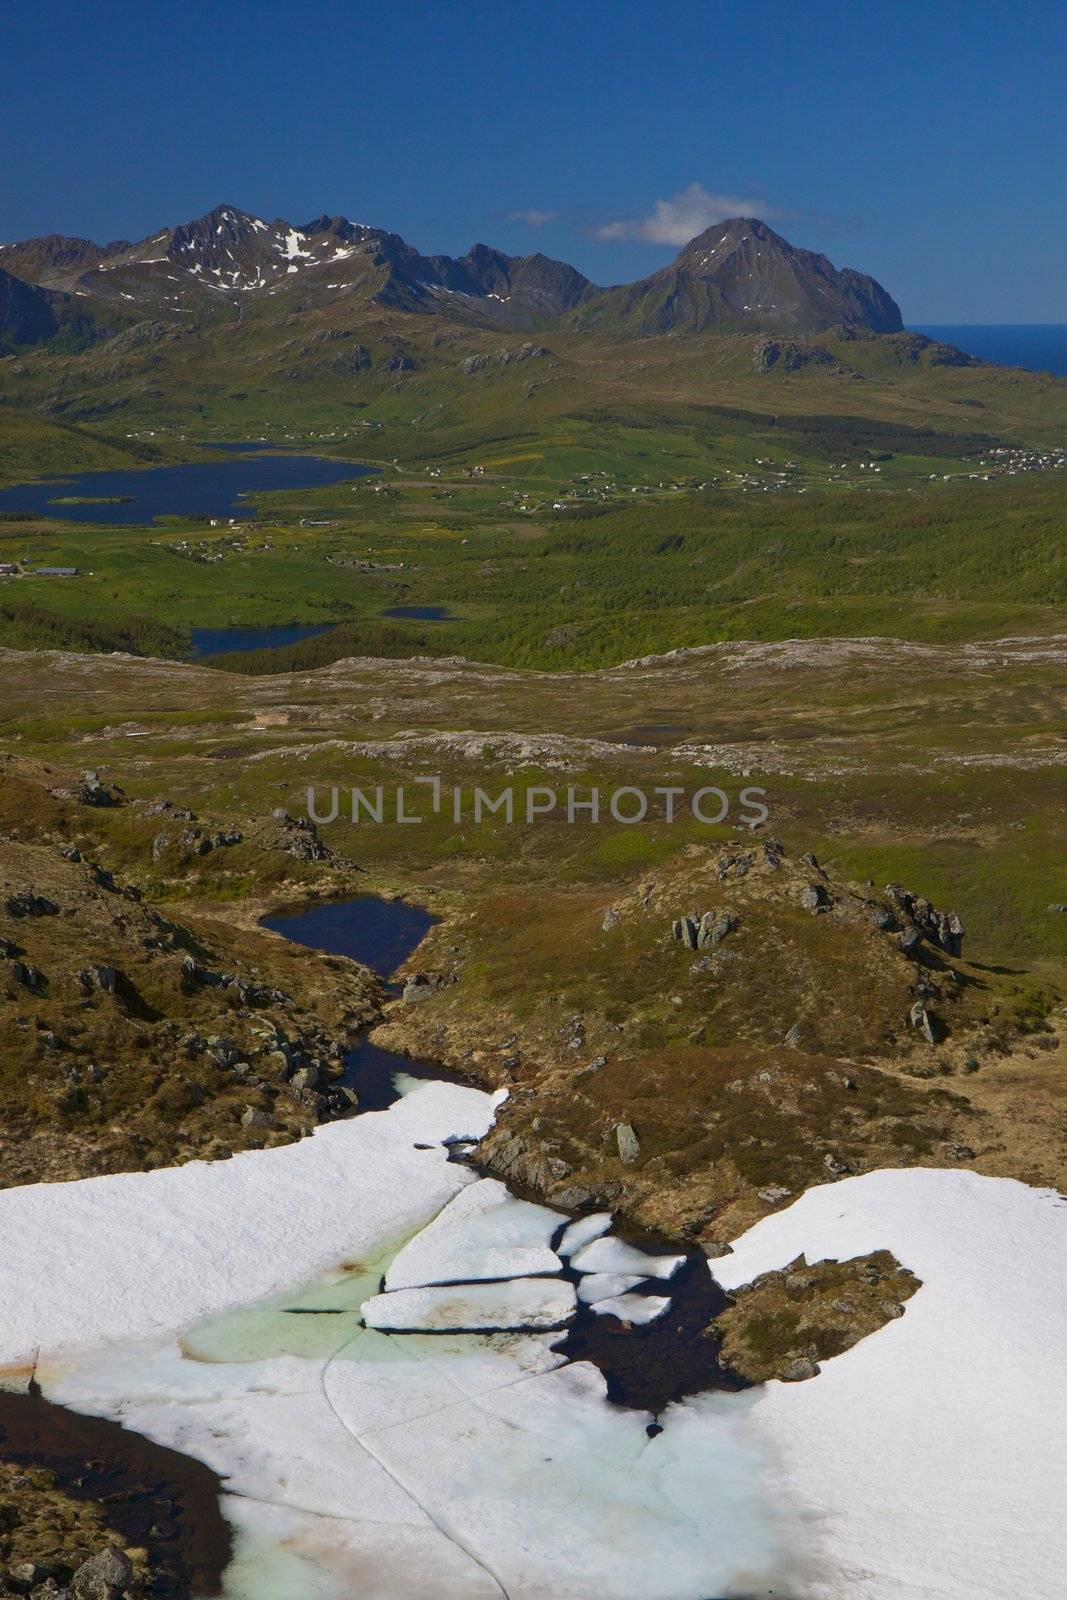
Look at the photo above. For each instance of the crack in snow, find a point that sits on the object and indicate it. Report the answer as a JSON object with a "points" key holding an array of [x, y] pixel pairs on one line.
{"points": [[452, 1538]]}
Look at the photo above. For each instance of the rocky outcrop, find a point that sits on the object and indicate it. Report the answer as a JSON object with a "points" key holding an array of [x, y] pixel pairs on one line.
{"points": [[483, 361], [134, 1038], [788, 356], [922, 920], [704, 931], [786, 1323]]}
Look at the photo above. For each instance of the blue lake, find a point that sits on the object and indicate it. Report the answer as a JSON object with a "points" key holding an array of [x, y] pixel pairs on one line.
{"points": [[220, 641], [198, 488], [1041, 346]]}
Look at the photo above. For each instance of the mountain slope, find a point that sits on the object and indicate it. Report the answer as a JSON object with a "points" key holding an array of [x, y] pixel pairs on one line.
{"points": [[30, 315], [741, 275]]}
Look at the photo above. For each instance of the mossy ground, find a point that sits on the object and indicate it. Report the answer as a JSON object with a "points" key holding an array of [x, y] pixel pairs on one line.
{"points": [[42, 1526], [810, 1312]]}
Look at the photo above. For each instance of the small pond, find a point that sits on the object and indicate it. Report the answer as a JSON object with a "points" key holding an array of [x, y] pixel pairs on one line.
{"points": [[221, 641], [421, 613]]}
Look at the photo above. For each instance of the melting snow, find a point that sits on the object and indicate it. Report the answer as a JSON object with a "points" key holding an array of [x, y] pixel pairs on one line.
{"points": [[931, 1456], [137, 1254], [928, 1460], [615, 1255], [596, 1286], [635, 1308], [583, 1232]]}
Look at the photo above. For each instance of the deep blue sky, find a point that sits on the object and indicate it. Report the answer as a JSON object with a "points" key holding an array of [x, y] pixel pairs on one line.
{"points": [[924, 143]]}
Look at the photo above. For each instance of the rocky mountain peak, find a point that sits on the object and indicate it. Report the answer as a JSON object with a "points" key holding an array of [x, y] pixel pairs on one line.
{"points": [[741, 275]]}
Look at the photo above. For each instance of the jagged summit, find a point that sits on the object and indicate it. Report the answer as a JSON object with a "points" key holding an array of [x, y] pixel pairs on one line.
{"points": [[230, 252]]}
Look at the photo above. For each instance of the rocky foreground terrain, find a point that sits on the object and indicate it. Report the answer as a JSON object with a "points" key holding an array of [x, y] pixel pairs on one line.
{"points": [[748, 1026], [691, 1028], [694, 1025], [137, 1038]]}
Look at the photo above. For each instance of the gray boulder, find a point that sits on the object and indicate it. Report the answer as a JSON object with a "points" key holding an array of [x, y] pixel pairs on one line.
{"points": [[309, 1077], [254, 1117], [627, 1143], [29, 976], [799, 1370], [100, 977], [103, 1576], [714, 929], [922, 1022]]}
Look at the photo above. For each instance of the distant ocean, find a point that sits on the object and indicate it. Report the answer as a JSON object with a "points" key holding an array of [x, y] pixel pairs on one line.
{"points": [[1042, 346]]}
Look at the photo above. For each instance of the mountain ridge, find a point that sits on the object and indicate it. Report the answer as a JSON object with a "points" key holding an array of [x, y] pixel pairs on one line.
{"points": [[738, 275]]}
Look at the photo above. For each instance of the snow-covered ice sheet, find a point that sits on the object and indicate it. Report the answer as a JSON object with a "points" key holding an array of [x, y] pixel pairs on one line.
{"points": [[583, 1231], [519, 1303], [615, 1255], [358, 1461], [926, 1463], [564, 1497], [143, 1253], [483, 1233]]}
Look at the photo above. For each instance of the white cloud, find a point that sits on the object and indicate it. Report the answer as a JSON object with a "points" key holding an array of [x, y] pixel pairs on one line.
{"points": [[682, 217], [534, 217]]}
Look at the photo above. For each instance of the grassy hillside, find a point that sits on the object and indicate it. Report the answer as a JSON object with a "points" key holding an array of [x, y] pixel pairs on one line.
{"points": [[571, 504], [417, 385], [37, 446]]}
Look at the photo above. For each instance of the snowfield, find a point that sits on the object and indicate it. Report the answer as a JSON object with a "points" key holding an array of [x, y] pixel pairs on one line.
{"points": [[926, 1462], [932, 1457], [140, 1254]]}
